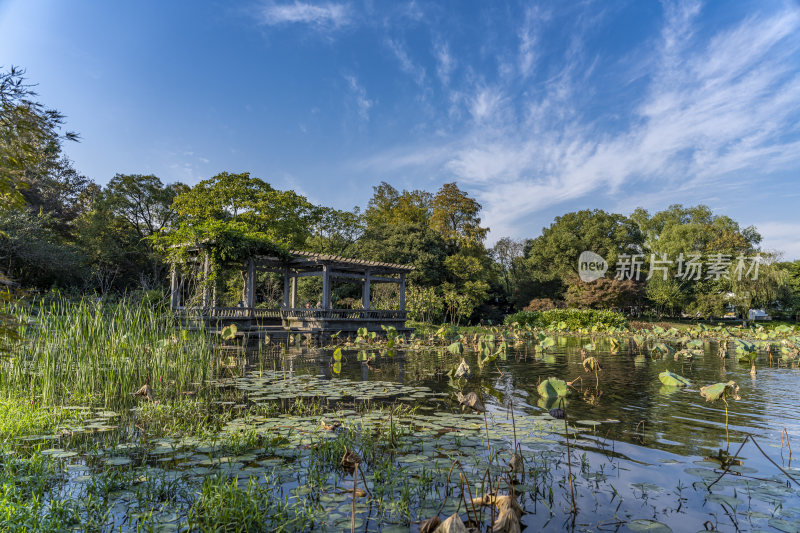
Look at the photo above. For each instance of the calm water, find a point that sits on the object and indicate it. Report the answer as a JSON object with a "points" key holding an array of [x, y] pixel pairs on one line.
{"points": [[643, 455], [657, 446]]}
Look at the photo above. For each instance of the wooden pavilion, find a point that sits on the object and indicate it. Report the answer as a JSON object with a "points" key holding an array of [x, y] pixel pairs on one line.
{"points": [[291, 317]]}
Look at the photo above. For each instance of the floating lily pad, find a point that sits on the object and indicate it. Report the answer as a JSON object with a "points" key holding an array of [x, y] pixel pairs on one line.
{"points": [[650, 526]]}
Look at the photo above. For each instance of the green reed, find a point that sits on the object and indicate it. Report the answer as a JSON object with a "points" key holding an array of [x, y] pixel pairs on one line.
{"points": [[100, 353]]}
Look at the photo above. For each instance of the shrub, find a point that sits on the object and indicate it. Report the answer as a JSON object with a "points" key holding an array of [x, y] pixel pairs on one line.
{"points": [[572, 318], [540, 304]]}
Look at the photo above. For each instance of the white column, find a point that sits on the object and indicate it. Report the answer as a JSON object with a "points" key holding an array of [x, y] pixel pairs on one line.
{"points": [[293, 294]]}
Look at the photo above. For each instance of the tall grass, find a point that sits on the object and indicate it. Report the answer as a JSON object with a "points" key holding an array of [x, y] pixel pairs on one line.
{"points": [[90, 352]]}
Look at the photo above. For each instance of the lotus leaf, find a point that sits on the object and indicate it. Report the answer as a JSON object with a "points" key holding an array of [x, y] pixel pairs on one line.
{"points": [[673, 380], [720, 390], [552, 388]]}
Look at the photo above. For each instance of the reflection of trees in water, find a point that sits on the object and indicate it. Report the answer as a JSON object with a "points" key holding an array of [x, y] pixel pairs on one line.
{"points": [[678, 421]]}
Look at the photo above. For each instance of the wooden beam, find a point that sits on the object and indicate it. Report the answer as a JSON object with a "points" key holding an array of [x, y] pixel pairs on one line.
{"points": [[360, 277], [385, 280], [309, 273]]}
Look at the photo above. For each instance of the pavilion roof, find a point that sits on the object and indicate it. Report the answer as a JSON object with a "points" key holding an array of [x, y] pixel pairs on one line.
{"points": [[311, 259]]}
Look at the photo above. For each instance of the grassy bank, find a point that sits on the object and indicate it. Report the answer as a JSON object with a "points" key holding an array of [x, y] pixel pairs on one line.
{"points": [[92, 353]]}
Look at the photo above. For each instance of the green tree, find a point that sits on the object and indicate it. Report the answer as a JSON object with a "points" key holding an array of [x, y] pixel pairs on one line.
{"points": [[411, 243], [336, 232], [760, 289], [455, 216], [390, 206], [507, 254], [33, 254], [239, 214], [687, 231], [30, 137], [553, 256], [791, 301]]}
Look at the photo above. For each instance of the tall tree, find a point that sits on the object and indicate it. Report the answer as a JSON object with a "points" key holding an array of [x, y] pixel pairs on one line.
{"points": [[455, 216], [554, 254], [241, 215], [390, 206], [30, 135], [507, 254], [144, 202], [336, 232]]}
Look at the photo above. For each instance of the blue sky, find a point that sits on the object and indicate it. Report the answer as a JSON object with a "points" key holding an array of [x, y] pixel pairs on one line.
{"points": [[536, 109]]}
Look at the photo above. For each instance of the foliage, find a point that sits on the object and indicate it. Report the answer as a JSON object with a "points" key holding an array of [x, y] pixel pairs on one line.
{"points": [[29, 135], [673, 380], [144, 202], [554, 255], [455, 216], [508, 254], [540, 304], [603, 293], [241, 216], [32, 252], [407, 243], [552, 388], [771, 285], [336, 232], [424, 304], [572, 318], [101, 353]]}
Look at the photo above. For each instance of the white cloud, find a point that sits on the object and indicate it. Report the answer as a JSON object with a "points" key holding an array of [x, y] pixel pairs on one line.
{"points": [[445, 63], [781, 236], [323, 16], [417, 72], [715, 108], [529, 39], [364, 104]]}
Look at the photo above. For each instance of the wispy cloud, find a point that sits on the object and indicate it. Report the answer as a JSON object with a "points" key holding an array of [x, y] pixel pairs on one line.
{"points": [[529, 39], [323, 16], [445, 62], [417, 72], [364, 104], [715, 107]]}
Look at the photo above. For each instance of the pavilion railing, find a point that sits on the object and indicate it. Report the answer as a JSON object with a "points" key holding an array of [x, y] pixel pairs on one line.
{"points": [[248, 313]]}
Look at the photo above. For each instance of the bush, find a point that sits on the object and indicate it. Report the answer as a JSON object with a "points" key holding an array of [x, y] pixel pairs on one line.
{"points": [[540, 304], [572, 318]]}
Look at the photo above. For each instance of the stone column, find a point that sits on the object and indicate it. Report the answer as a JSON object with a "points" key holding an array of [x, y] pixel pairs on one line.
{"points": [[365, 289], [174, 289], [286, 287], [402, 292], [326, 287], [250, 284]]}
